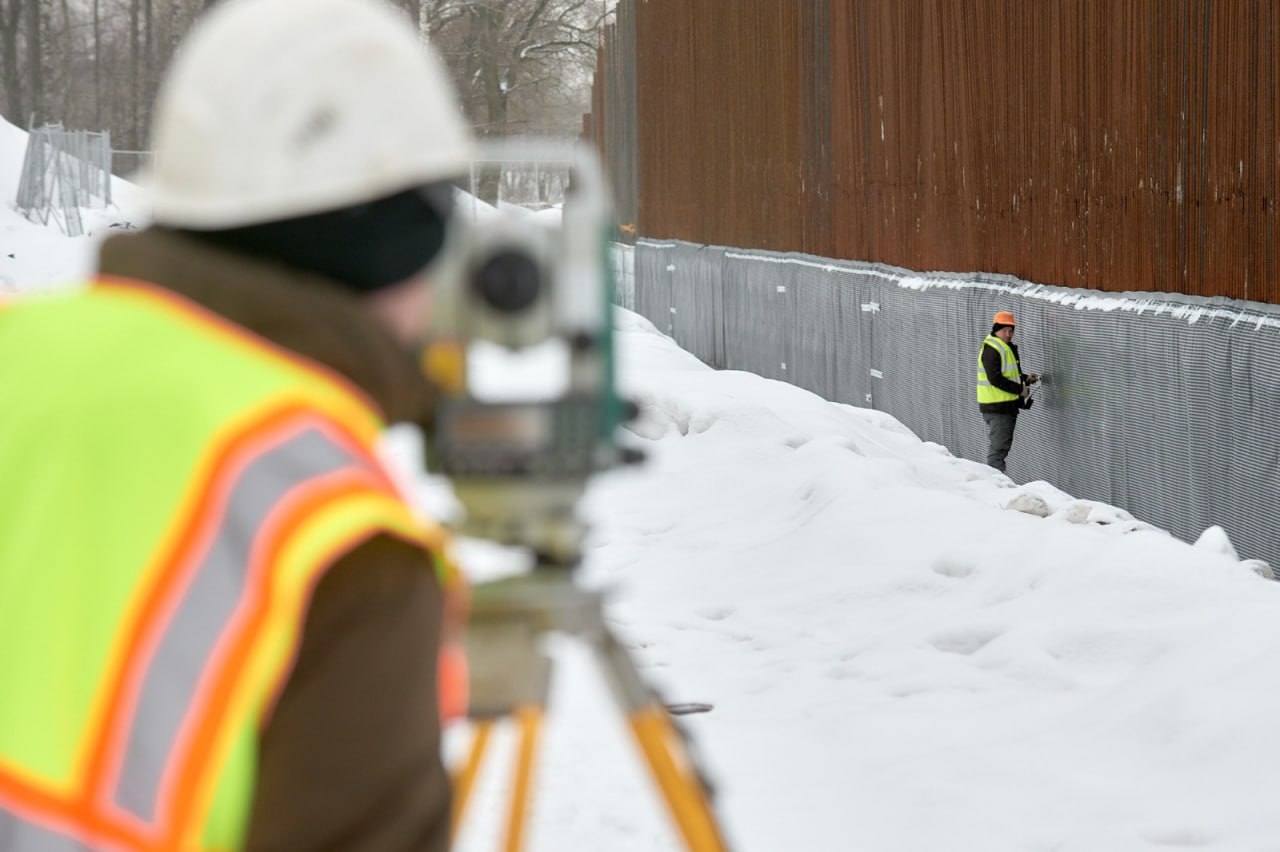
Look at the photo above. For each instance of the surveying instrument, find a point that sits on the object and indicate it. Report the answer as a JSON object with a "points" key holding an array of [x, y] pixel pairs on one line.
{"points": [[520, 467]]}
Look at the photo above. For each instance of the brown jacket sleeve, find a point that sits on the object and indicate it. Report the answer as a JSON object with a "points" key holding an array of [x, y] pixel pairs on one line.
{"points": [[350, 758]]}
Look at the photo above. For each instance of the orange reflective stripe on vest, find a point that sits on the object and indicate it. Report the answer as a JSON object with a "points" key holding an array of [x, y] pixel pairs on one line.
{"points": [[157, 744], [192, 636]]}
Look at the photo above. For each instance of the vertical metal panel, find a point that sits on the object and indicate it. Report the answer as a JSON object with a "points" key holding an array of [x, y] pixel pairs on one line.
{"points": [[815, 84], [759, 316], [1112, 144], [719, 116], [612, 123], [818, 318]]}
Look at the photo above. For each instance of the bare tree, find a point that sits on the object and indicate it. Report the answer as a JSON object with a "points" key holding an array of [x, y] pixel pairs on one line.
{"points": [[513, 59], [35, 58], [63, 55], [10, 24], [520, 66], [509, 57], [97, 63], [135, 72]]}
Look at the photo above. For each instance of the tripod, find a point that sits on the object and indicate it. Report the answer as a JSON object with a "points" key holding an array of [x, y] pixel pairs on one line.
{"points": [[511, 678]]}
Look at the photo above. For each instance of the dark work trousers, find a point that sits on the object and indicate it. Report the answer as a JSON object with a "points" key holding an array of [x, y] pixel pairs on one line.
{"points": [[1000, 434]]}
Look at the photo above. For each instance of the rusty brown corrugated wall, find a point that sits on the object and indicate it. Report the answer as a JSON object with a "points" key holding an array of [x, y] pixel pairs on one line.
{"points": [[720, 126], [612, 122], [1112, 144]]}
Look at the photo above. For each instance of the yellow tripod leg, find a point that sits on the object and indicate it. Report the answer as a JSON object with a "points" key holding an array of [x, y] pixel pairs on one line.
{"points": [[465, 781], [681, 788], [529, 720], [513, 682]]}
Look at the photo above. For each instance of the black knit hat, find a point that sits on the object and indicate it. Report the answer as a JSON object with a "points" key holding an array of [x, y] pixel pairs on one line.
{"points": [[365, 247]]}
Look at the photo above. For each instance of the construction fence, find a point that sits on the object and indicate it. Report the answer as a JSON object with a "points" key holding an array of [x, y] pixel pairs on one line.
{"points": [[1119, 145], [1162, 405], [63, 171]]}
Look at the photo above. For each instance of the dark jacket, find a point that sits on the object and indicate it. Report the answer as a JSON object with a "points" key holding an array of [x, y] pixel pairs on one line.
{"points": [[350, 757], [991, 363]]}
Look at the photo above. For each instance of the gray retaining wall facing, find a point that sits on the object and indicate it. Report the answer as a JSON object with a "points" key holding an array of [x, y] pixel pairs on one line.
{"points": [[1160, 404]]}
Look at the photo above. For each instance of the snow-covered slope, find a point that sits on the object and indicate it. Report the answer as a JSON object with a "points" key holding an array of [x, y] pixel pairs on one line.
{"points": [[897, 659]]}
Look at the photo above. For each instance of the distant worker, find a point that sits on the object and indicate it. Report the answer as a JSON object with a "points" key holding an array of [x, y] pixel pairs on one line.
{"points": [[1003, 389], [220, 618]]}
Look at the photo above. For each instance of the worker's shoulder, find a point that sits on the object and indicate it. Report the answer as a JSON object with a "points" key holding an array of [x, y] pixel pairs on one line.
{"points": [[379, 576]]}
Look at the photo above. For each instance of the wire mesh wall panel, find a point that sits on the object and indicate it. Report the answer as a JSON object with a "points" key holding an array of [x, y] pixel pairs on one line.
{"points": [[856, 335], [759, 314], [696, 319], [653, 300], [1122, 145], [917, 340], [1162, 405], [622, 266], [818, 312]]}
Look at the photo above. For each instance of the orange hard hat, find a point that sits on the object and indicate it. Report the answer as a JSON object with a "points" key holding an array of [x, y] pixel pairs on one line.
{"points": [[1003, 318]]}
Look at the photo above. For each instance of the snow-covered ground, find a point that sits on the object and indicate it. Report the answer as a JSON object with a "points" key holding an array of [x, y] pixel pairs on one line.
{"points": [[904, 650], [897, 659]]}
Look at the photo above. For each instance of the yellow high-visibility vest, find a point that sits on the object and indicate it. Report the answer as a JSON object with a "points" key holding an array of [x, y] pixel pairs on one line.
{"points": [[1009, 368], [173, 488]]}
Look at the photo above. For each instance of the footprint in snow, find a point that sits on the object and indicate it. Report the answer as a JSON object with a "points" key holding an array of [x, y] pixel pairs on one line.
{"points": [[963, 641], [951, 568]]}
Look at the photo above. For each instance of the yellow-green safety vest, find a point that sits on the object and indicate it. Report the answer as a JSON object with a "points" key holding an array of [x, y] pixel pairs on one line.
{"points": [[1009, 368], [157, 547]]}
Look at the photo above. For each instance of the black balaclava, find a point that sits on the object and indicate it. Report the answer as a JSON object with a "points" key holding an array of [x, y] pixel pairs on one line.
{"points": [[364, 247]]}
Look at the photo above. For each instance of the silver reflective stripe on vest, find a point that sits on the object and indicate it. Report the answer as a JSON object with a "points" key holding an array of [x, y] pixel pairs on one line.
{"points": [[1008, 364], [215, 590], [19, 835]]}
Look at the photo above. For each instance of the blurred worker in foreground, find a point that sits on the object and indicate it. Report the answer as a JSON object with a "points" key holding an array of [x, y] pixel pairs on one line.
{"points": [[218, 619], [1003, 389]]}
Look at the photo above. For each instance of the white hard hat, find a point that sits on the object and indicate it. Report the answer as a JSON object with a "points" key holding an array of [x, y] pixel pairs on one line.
{"points": [[275, 109]]}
